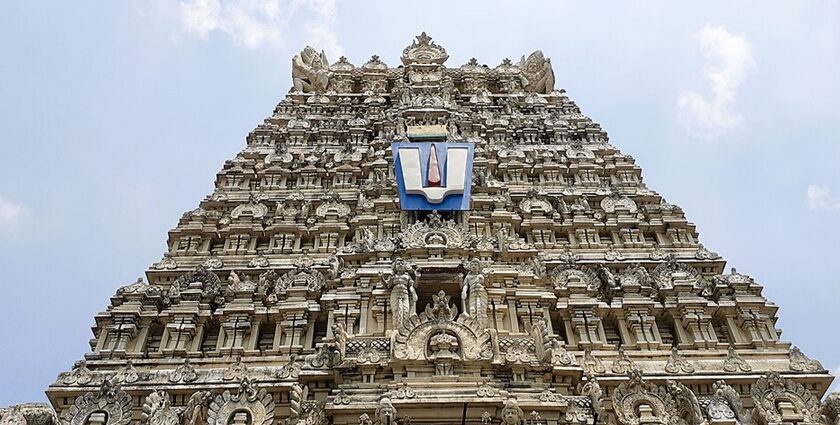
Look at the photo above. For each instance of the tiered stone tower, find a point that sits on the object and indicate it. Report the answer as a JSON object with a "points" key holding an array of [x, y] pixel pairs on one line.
{"points": [[301, 292]]}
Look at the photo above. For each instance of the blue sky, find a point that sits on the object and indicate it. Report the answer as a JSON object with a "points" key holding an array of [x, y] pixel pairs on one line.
{"points": [[116, 115]]}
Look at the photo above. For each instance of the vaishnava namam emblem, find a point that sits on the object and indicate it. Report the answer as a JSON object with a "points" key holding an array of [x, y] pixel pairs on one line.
{"points": [[433, 176]]}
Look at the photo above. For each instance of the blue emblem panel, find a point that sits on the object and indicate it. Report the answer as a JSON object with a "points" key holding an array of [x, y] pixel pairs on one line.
{"points": [[433, 175]]}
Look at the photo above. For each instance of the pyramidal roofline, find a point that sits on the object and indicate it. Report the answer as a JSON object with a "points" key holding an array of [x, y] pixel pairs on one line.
{"points": [[312, 287]]}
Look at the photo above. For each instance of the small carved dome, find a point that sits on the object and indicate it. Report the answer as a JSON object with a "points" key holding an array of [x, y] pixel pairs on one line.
{"points": [[424, 51]]}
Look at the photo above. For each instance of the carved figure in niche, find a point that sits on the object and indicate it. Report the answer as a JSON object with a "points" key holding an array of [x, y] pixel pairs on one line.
{"points": [[310, 71], [512, 414], [403, 293], [385, 412], [537, 74], [473, 294]]}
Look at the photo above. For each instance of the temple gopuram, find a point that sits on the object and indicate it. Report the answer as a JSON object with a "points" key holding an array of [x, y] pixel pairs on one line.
{"points": [[424, 244]]}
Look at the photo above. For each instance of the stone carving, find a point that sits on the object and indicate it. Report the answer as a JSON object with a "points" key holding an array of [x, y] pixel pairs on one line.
{"points": [[549, 348], [592, 390], [512, 414], [670, 272], [410, 343], [302, 276], [677, 363], [688, 407], [725, 404], [403, 293], [157, 409], [704, 254], [202, 279], [779, 400], [734, 362], [486, 390], [80, 374], [801, 363], [251, 209], [611, 204], [591, 364], [237, 371], [537, 75], [111, 405], [423, 51], [404, 391], [534, 203], [28, 414], [831, 408], [474, 301], [290, 370], [310, 71], [436, 233], [623, 364], [195, 413], [255, 403], [295, 408], [566, 275], [333, 207], [637, 402], [385, 413], [183, 373]]}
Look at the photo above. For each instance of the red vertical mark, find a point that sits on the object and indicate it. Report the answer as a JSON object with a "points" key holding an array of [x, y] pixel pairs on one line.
{"points": [[433, 178]]}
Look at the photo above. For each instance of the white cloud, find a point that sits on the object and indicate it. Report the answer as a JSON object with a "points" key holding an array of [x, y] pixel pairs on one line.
{"points": [[729, 59], [819, 198], [10, 213], [257, 23]]}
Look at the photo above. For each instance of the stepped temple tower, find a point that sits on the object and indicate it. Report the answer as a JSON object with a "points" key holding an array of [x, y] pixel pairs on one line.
{"points": [[426, 244]]}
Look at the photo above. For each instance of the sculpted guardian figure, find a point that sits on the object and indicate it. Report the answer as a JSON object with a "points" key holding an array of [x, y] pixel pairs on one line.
{"points": [[473, 294], [537, 75], [385, 412], [512, 414], [310, 71], [403, 293]]}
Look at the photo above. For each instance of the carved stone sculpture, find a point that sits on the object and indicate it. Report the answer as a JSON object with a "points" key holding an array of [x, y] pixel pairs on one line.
{"points": [[157, 409], [474, 301], [512, 414], [110, 403], [310, 71], [537, 74], [247, 399], [403, 293]]}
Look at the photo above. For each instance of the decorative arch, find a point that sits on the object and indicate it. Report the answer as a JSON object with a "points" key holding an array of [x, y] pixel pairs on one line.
{"points": [[412, 339]]}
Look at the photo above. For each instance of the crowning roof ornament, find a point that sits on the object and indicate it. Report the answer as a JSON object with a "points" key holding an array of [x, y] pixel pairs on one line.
{"points": [[424, 51]]}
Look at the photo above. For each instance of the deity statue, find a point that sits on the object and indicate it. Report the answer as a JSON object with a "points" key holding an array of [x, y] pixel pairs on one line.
{"points": [[512, 414], [310, 71], [403, 293], [537, 75], [385, 412], [473, 294]]}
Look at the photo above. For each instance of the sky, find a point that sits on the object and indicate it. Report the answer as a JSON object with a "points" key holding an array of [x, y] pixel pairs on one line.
{"points": [[116, 115]]}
